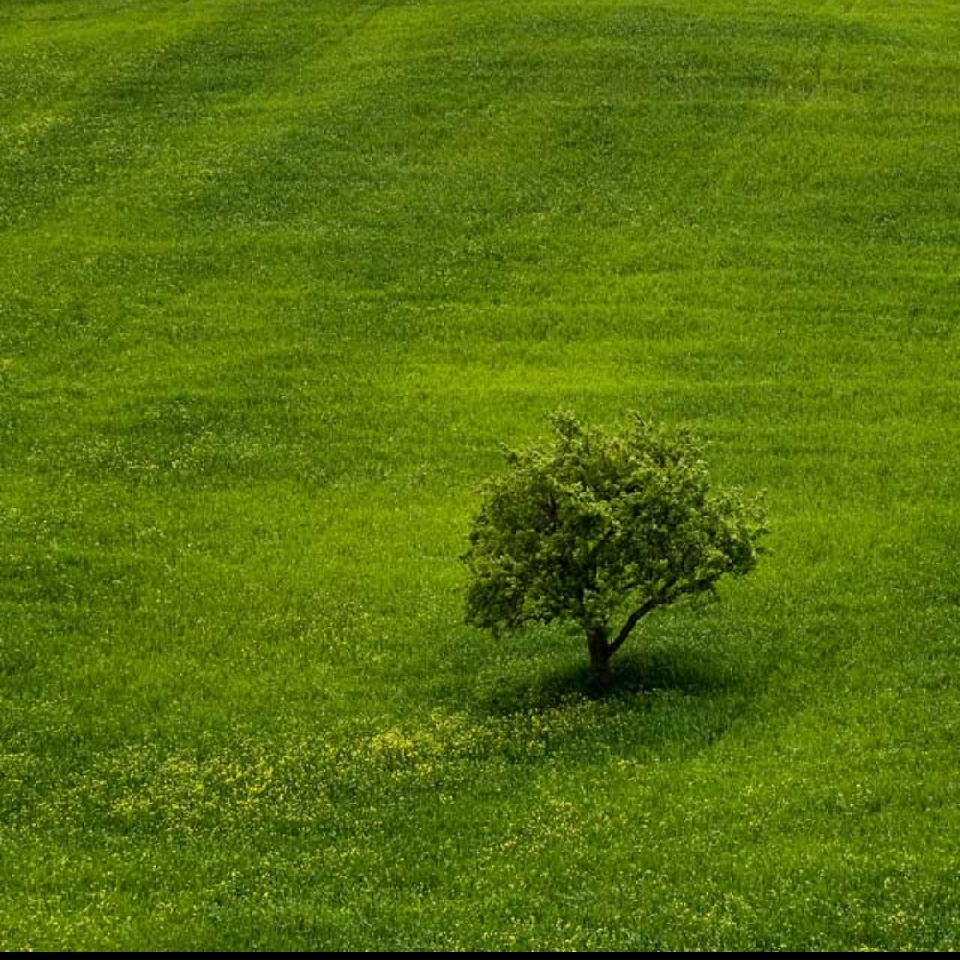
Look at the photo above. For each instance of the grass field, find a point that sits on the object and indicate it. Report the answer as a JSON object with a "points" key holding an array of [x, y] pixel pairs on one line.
{"points": [[277, 277]]}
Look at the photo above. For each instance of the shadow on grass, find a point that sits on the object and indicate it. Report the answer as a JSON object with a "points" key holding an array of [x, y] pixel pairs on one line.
{"points": [[637, 675], [666, 702]]}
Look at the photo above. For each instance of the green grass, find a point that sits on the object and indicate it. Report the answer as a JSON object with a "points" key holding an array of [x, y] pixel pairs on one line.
{"points": [[276, 279]]}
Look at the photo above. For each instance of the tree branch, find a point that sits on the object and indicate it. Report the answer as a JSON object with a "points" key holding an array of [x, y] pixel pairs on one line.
{"points": [[632, 621]]}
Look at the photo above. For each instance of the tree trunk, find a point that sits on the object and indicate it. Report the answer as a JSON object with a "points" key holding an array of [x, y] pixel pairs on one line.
{"points": [[600, 653]]}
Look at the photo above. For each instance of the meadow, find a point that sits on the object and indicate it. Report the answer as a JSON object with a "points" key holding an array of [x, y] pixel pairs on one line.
{"points": [[278, 277]]}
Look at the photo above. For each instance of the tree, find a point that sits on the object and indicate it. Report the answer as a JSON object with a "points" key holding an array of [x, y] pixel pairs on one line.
{"points": [[599, 530]]}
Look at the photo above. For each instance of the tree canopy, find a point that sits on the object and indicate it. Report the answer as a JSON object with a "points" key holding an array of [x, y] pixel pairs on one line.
{"points": [[599, 529]]}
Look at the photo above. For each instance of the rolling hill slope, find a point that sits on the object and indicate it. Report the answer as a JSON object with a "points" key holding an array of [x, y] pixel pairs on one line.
{"points": [[277, 277]]}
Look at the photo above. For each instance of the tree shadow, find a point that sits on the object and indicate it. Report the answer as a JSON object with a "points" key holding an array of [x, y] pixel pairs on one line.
{"points": [[636, 677], [666, 701]]}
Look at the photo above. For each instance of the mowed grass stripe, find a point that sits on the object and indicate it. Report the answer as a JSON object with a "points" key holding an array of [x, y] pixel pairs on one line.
{"points": [[183, 94]]}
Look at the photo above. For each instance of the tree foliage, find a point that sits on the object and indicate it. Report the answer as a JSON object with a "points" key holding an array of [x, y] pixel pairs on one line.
{"points": [[601, 529]]}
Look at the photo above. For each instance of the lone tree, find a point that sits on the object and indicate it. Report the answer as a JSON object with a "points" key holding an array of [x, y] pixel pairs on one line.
{"points": [[599, 530]]}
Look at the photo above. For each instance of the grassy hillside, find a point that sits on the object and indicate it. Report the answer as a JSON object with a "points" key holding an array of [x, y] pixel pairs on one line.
{"points": [[276, 279]]}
